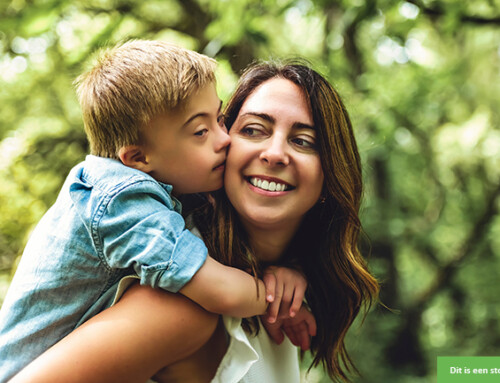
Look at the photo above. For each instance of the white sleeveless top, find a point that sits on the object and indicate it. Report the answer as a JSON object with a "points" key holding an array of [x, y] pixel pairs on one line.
{"points": [[248, 359], [256, 359]]}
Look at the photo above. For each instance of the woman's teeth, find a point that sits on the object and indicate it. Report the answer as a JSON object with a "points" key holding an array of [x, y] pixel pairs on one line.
{"points": [[266, 185]]}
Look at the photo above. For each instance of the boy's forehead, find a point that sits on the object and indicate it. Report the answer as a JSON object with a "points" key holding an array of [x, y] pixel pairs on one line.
{"points": [[202, 103], [192, 100], [202, 111], [193, 108]]}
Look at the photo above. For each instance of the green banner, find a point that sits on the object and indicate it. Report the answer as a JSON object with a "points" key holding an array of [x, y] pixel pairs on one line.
{"points": [[468, 369]]}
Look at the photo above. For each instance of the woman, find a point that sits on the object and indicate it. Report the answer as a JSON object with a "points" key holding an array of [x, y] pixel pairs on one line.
{"points": [[292, 195]]}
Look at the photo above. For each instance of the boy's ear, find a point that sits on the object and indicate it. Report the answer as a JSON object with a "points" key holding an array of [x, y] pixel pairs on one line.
{"points": [[134, 156]]}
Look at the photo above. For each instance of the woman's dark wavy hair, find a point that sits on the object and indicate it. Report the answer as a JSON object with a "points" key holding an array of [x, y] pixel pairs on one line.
{"points": [[325, 247]]}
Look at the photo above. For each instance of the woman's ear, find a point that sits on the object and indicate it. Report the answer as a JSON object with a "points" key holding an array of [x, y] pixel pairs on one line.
{"points": [[134, 156]]}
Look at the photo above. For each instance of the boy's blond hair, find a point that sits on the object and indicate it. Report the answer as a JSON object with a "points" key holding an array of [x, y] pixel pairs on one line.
{"points": [[131, 84]]}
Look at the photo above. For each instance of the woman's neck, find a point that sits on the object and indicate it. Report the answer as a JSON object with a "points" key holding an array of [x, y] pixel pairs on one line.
{"points": [[269, 244]]}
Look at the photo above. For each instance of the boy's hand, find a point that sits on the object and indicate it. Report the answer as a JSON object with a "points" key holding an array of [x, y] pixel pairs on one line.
{"points": [[285, 289], [299, 329]]}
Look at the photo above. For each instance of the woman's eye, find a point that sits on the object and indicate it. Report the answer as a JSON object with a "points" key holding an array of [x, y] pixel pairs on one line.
{"points": [[250, 132], [303, 143]]}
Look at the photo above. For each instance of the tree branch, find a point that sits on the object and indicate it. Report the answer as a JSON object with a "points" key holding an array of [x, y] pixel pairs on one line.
{"points": [[406, 349], [475, 237], [438, 11], [195, 20]]}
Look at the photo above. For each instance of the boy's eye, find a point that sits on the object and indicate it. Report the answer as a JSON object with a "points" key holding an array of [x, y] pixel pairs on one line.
{"points": [[201, 132]]}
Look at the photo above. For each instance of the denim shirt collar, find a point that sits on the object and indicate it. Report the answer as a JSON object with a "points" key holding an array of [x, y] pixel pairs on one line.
{"points": [[101, 168]]}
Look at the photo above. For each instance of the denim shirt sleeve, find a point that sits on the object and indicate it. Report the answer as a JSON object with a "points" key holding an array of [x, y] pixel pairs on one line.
{"points": [[136, 228]]}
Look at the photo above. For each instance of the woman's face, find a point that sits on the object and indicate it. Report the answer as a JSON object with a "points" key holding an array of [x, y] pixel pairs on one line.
{"points": [[273, 170]]}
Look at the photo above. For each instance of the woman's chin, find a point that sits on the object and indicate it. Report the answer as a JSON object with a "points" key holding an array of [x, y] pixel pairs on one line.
{"points": [[264, 218]]}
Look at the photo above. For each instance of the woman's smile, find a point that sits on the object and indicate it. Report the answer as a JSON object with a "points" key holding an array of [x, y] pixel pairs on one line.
{"points": [[270, 184]]}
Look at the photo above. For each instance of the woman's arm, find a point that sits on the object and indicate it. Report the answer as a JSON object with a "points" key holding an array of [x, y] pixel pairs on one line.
{"points": [[129, 342]]}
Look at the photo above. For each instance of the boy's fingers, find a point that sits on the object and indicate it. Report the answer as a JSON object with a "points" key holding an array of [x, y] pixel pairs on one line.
{"points": [[278, 291], [296, 303], [270, 283], [288, 293], [272, 311], [274, 307]]}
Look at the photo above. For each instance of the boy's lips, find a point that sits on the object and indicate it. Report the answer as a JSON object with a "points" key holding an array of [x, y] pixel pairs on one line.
{"points": [[221, 166]]}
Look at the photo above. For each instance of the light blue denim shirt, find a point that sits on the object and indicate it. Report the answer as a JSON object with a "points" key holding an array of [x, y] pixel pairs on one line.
{"points": [[109, 220]]}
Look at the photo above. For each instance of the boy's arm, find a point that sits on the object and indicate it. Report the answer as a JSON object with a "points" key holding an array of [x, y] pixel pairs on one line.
{"points": [[226, 290], [153, 241]]}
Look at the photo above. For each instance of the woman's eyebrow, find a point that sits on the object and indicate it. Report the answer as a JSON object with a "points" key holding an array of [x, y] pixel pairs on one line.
{"points": [[300, 125], [263, 116], [271, 119]]}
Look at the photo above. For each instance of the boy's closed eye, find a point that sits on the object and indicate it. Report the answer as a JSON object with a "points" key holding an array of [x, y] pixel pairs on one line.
{"points": [[201, 132]]}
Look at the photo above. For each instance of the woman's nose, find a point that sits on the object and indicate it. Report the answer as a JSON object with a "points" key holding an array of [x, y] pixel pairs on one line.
{"points": [[274, 153], [222, 139]]}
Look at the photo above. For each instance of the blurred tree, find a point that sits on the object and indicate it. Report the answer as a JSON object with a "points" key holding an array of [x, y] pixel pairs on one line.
{"points": [[420, 78]]}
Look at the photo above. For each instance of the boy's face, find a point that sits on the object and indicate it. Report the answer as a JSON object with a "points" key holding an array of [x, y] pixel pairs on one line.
{"points": [[186, 147]]}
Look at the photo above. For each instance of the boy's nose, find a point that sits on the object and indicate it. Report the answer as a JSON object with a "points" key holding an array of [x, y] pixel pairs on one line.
{"points": [[222, 139]]}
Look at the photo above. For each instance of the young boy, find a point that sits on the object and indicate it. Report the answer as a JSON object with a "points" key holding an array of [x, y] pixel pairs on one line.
{"points": [[154, 123]]}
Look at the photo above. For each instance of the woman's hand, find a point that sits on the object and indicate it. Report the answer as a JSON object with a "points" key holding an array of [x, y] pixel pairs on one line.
{"points": [[285, 289], [299, 329]]}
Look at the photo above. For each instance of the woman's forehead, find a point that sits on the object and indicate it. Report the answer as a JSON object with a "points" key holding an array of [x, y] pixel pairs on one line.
{"points": [[280, 98]]}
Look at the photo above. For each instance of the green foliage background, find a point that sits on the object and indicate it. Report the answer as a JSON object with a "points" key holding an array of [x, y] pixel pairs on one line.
{"points": [[421, 81]]}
